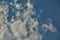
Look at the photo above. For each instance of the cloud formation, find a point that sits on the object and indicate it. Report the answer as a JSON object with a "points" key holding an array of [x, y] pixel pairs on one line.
{"points": [[23, 27]]}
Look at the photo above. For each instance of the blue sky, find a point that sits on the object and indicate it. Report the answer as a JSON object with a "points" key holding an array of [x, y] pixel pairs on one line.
{"points": [[51, 9]]}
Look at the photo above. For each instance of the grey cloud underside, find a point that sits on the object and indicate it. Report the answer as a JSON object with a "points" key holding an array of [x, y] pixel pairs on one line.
{"points": [[22, 26]]}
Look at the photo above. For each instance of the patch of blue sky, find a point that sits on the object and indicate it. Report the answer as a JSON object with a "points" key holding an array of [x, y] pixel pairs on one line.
{"points": [[10, 14]]}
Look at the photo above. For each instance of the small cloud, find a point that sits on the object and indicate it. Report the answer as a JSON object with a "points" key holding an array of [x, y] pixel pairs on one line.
{"points": [[41, 11], [29, 5], [18, 6], [49, 25]]}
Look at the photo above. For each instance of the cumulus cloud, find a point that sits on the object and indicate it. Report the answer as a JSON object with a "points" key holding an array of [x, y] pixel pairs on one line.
{"points": [[18, 28]]}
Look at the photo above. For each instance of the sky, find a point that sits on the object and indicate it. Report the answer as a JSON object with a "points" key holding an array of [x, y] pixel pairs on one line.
{"points": [[51, 9]]}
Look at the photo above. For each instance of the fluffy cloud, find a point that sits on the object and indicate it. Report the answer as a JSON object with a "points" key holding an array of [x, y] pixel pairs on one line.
{"points": [[23, 25]]}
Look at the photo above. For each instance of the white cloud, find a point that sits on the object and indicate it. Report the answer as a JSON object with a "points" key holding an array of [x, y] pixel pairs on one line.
{"points": [[49, 26], [18, 6], [29, 5], [20, 27]]}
